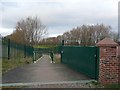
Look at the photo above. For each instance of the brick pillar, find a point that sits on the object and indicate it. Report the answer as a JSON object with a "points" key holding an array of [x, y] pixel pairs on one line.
{"points": [[119, 62], [109, 63]]}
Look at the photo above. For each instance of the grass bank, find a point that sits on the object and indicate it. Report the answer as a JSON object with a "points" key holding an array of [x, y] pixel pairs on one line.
{"points": [[112, 86], [45, 46], [96, 84], [13, 63]]}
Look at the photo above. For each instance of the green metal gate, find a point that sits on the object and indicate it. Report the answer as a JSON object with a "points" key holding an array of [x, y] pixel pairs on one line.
{"points": [[82, 59]]}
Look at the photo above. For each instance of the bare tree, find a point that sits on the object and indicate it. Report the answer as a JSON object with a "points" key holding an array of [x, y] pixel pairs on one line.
{"points": [[30, 31], [114, 36], [88, 35]]}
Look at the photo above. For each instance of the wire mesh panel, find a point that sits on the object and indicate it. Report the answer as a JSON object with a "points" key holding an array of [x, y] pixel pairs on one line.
{"points": [[0, 60], [0, 48], [4, 48], [12, 49]]}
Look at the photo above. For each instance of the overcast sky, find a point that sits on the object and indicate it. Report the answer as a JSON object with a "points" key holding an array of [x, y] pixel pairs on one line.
{"points": [[59, 15]]}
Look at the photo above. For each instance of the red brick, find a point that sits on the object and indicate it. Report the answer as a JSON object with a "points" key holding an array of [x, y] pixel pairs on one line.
{"points": [[109, 63]]}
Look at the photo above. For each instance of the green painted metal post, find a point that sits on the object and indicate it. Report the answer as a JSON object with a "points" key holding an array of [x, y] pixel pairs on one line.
{"points": [[97, 63], [51, 55], [24, 51], [62, 50], [34, 56], [8, 49], [62, 42]]}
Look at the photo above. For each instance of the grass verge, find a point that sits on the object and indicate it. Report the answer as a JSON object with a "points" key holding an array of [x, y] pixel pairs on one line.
{"points": [[96, 84], [112, 86], [13, 63], [45, 46]]}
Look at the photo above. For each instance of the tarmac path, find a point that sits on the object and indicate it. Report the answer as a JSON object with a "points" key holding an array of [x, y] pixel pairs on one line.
{"points": [[42, 71]]}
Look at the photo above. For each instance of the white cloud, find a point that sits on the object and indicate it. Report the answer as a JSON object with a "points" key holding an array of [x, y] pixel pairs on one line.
{"points": [[61, 13], [5, 31]]}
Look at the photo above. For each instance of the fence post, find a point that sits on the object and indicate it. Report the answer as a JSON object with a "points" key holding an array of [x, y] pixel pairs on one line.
{"points": [[62, 50], [24, 51], [62, 42], [8, 49], [97, 64], [34, 55]]}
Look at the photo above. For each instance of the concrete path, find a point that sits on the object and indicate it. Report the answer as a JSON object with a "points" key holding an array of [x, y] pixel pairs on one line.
{"points": [[42, 71]]}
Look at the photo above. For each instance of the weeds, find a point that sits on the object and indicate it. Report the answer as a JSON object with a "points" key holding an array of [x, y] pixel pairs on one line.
{"points": [[13, 63]]}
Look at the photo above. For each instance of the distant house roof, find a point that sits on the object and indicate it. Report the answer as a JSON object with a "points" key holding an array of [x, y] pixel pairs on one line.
{"points": [[107, 42]]}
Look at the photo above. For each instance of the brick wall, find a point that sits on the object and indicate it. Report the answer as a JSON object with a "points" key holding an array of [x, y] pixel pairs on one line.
{"points": [[109, 65], [119, 62], [109, 69]]}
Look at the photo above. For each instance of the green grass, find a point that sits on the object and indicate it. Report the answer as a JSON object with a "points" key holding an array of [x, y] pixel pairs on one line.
{"points": [[13, 63], [13, 87], [45, 46], [112, 86], [96, 84]]}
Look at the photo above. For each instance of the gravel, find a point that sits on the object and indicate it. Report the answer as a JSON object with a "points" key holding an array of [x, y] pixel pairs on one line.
{"points": [[64, 85]]}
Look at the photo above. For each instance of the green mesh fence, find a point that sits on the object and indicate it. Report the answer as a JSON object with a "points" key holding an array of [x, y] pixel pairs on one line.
{"points": [[12, 49], [0, 48]]}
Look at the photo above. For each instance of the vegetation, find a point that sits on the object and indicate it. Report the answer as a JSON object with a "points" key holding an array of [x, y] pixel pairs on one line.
{"points": [[112, 86], [31, 31], [88, 35], [45, 46], [85, 35], [96, 84], [28, 31], [13, 63]]}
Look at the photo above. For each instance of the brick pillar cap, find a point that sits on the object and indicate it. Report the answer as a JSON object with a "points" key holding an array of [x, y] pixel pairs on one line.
{"points": [[107, 42]]}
